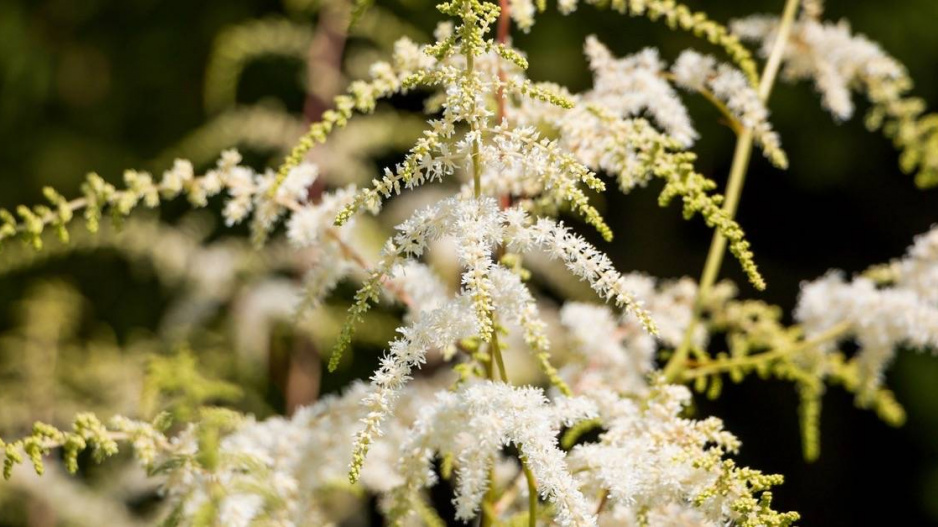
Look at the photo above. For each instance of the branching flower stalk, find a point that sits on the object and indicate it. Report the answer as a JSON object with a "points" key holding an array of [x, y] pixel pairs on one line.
{"points": [[734, 186], [765, 358]]}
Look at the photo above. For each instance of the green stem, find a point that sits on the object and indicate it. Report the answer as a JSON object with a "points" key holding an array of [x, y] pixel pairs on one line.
{"points": [[476, 166], [488, 513], [497, 357], [734, 189], [731, 119], [495, 362], [489, 509], [604, 498], [476, 171], [754, 360], [532, 494]]}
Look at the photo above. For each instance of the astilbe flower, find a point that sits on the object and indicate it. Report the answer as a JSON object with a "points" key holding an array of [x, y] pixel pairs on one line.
{"points": [[289, 471], [518, 308], [522, 12], [881, 319], [435, 329], [629, 86], [676, 15], [491, 416], [386, 79], [633, 151], [918, 270], [308, 225], [702, 73], [603, 354], [616, 354], [248, 195], [521, 162], [839, 62], [637, 84], [422, 286], [830, 55], [654, 463], [478, 225]]}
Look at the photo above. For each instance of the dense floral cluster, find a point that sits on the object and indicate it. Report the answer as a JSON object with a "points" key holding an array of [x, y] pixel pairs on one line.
{"points": [[840, 62], [899, 312]]}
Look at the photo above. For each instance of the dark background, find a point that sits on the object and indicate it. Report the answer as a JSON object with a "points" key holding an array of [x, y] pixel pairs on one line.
{"points": [[104, 85]]}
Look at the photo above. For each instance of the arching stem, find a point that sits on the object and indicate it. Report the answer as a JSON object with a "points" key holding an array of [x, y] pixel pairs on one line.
{"points": [[734, 188]]}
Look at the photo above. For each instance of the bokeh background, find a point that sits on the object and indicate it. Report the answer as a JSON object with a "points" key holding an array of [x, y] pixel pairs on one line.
{"points": [[103, 85]]}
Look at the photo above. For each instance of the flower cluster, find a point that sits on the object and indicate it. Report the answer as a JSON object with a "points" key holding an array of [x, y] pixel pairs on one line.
{"points": [[840, 62], [494, 415], [632, 85], [489, 293], [728, 86], [657, 466], [602, 131], [880, 318], [613, 354], [606, 439]]}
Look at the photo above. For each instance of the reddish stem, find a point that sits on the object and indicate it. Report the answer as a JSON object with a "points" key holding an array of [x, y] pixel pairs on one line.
{"points": [[324, 62], [324, 74], [501, 36], [324, 70]]}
